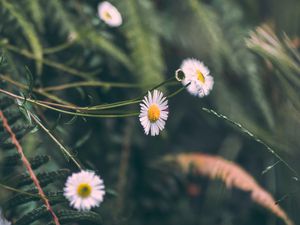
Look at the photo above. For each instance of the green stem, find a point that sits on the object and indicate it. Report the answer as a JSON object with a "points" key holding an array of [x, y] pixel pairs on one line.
{"points": [[246, 131], [92, 84], [176, 92], [60, 145], [59, 48], [18, 191], [38, 91], [48, 62], [83, 114], [68, 105], [128, 102]]}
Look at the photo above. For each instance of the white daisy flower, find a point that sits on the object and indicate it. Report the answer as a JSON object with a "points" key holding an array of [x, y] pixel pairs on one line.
{"points": [[196, 74], [84, 190], [3, 221], [154, 112], [109, 14]]}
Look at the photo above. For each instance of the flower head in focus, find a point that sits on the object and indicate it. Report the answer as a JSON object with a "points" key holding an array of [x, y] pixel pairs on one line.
{"points": [[154, 112], [84, 190], [197, 77], [109, 14]]}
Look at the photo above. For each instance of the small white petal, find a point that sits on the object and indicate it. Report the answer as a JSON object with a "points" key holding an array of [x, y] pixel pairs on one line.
{"points": [[154, 98], [191, 69], [109, 14], [93, 199], [3, 221]]}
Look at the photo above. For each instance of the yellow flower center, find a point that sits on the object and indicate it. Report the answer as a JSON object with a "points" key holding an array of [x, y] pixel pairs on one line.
{"points": [[84, 190], [200, 76], [107, 15], [153, 113]]}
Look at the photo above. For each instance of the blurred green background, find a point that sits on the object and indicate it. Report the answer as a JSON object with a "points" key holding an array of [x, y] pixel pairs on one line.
{"points": [[256, 73]]}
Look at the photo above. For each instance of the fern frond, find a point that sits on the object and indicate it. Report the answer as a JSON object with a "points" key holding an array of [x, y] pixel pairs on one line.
{"points": [[32, 216], [28, 31], [144, 44], [233, 175], [36, 162], [85, 36], [19, 199], [211, 32], [47, 202], [36, 12], [19, 129], [89, 36], [44, 178], [67, 216], [27, 165]]}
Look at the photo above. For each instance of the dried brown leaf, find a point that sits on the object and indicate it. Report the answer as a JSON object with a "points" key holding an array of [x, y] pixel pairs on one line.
{"points": [[233, 175]]}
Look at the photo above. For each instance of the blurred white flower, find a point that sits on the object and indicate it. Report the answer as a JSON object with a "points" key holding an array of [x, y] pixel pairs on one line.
{"points": [[109, 14], [72, 36], [84, 190], [3, 221], [196, 74], [154, 112]]}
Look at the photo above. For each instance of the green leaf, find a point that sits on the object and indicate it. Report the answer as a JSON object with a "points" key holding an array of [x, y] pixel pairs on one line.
{"points": [[34, 215], [44, 178], [29, 33], [68, 216], [142, 41]]}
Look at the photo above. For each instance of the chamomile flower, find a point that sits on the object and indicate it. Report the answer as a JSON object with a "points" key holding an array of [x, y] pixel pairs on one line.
{"points": [[196, 74], [154, 112], [109, 14], [3, 221], [84, 190]]}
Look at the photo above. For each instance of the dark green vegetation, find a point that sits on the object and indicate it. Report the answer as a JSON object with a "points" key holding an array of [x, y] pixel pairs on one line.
{"points": [[46, 43]]}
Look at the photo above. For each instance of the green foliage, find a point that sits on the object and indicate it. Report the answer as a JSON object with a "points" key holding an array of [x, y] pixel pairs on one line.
{"points": [[252, 50], [25, 193], [35, 10], [28, 30], [67, 216], [36, 162], [85, 35], [143, 42]]}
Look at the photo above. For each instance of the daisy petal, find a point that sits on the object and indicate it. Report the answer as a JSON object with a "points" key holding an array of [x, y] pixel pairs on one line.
{"points": [[153, 112]]}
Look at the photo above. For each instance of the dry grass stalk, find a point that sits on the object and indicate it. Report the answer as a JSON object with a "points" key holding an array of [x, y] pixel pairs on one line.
{"points": [[233, 175]]}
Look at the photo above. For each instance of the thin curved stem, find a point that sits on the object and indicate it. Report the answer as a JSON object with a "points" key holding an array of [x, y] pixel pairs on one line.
{"points": [[60, 145], [68, 112], [48, 62], [257, 139], [176, 92], [67, 105], [129, 102], [18, 191], [59, 48], [38, 91], [80, 111], [92, 84]]}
